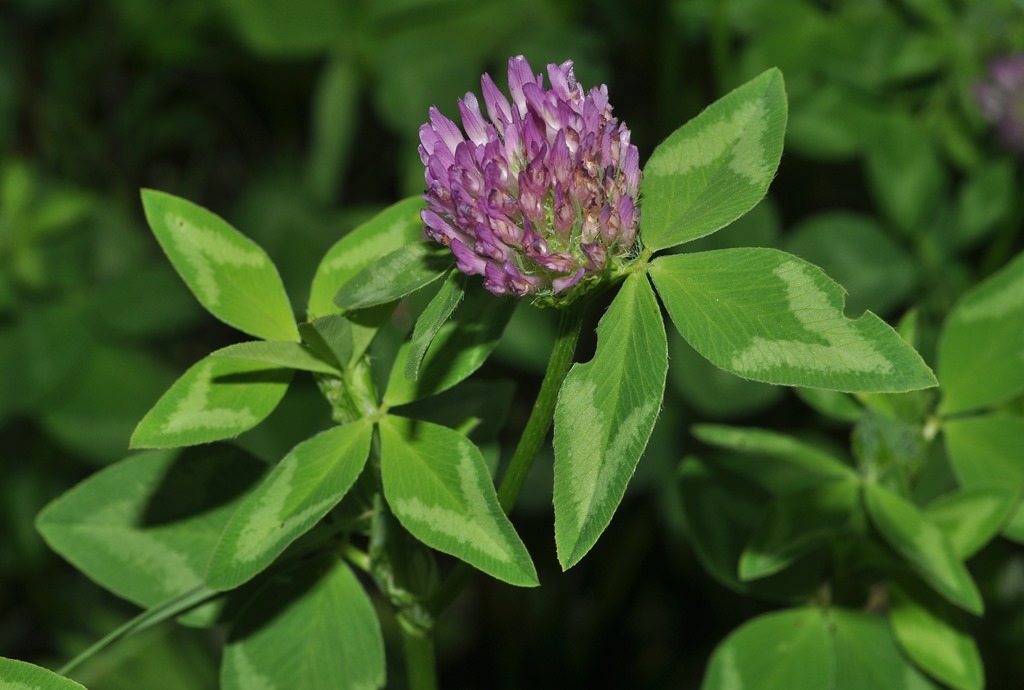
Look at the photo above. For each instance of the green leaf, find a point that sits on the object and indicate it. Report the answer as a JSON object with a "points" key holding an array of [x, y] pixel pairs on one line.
{"points": [[980, 361], [280, 353], [330, 339], [904, 172], [216, 398], [973, 516], [228, 273], [797, 523], [20, 675], [458, 349], [604, 416], [394, 227], [770, 316], [432, 318], [923, 546], [314, 628], [298, 492], [395, 275], [933, 634], [335, 116], [95, 414], [717, 166], [867, 656], [437, 485], [831, 404], [280, 29], [145, 527], [714, 392], [986, 451], [857, 253], [722, 510], [985, 199], [793, 464], [776, 651]]}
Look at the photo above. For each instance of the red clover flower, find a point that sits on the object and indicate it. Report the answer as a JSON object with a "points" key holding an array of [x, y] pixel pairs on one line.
{"points": [[541, 199], [1002, 98]]}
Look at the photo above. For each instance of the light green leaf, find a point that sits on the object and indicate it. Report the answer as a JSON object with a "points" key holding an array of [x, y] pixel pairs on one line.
{"points": [[299, 491], [972, 516], [981, 351], [145, 527], [923, 545], [228, 273], [904, 172], [437, 485], [793, 464], [20, 675], [796, 523], [770, 316], [933, 634], [604, 417], [986, 451], [776, 651], [394, 227], [315, 628], [857, 253], [395, 275], [216, 398], [716, 167], [281, 353], [458, 349], [867, 656], [433, 317]]}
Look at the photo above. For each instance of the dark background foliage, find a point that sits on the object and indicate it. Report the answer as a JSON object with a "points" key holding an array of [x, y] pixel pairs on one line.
{"points": [[295, 121]]}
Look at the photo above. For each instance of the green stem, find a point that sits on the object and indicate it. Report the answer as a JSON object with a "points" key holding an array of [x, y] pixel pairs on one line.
{"points": [[569, 327], [419, 658]]}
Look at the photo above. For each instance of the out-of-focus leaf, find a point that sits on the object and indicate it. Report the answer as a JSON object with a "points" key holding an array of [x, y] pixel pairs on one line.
{"points": [[335, 117], [979, 353], [972, 516], [283, 29], [775, 651], [867, 656], [923, 546], [933, 634], [855, 252]]}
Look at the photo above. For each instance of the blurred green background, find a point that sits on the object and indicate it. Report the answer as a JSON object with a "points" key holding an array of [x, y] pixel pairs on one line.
{"points": [[298, 120]]}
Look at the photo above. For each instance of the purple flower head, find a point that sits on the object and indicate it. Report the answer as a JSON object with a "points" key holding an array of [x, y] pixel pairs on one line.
{"points": [[1001, 99], [540, 195]]}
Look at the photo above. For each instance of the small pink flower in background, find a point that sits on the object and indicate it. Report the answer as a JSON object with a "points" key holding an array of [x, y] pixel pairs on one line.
{"points": [[1001, 99], [540, 196]]}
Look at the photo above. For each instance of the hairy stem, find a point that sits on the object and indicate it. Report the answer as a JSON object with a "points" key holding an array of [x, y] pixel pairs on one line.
{"points": [[537, 426]]}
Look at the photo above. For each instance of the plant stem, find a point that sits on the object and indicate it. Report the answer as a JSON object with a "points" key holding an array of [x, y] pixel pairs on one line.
{"points": [[418, 646], [537, 425], [569, 326]]}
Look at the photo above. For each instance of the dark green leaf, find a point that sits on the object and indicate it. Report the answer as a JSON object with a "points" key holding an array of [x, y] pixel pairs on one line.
{"points": [[281, 353], [395, 275], [433, 317]]}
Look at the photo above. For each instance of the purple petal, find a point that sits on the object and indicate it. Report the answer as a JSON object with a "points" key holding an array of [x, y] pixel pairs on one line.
{"points": [[446, 130], [468, 261], [560, 284], [519, 74], [473, 120]]}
